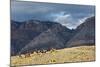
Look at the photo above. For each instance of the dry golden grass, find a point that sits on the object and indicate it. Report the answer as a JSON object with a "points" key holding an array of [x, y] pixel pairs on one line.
{"points": [[75, 54]]}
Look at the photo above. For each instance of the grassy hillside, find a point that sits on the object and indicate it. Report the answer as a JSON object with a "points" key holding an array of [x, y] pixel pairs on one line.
{"points": [[75, 54]]}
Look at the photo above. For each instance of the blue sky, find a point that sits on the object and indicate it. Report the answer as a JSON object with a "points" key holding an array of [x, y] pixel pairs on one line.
{"points": [[66, 14]]}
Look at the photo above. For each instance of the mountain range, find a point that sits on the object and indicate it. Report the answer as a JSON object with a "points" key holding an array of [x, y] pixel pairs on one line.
{"points": [[35, 35]]}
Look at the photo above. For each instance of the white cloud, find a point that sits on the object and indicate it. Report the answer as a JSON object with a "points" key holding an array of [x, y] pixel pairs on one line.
{"points": [[67, 20]]}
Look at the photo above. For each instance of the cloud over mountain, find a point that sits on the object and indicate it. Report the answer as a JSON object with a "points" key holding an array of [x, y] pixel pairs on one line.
{"points": [[22, 11], [67, 19]]}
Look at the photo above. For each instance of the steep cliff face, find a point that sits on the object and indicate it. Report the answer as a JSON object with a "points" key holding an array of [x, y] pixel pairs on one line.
{"points": [[34, 33], [23, 32]]}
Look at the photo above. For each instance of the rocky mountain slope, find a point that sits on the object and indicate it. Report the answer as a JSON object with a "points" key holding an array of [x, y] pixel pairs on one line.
{"points": [[34, 35], [85, 34], [54, 37]]}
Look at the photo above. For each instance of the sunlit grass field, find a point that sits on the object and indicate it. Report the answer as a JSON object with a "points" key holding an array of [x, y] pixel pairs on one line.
{"points": [[66, 55]]}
